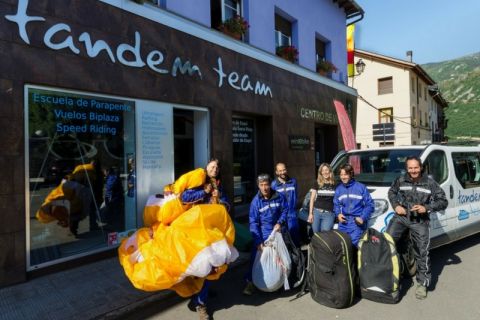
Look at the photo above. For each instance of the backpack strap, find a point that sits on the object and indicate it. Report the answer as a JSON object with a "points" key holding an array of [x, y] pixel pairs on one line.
{"points": [[305, 289]]}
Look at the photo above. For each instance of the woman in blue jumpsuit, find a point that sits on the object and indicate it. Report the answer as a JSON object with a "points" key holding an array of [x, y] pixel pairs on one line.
{"points": [[352, 205]]}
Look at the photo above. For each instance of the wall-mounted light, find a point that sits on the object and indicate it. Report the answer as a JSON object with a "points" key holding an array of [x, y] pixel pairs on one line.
{"points": [[360, 66]]}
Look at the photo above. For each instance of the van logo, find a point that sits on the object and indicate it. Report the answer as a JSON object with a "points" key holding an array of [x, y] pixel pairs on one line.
{"points": [[463, 215], [387, 219], [468, 198]]}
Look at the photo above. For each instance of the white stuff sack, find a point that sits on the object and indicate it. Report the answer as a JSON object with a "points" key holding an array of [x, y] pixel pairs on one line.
{"points": [[272, 265]]}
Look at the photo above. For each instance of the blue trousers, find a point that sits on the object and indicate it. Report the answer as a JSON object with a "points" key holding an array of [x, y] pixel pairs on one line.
{"points": [[253, 254], [322, 221], [202, 296], [352, 229]]}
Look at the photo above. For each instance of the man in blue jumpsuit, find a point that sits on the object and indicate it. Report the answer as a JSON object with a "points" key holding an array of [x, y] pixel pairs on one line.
{"points": [[268, 212], [287, 186]]}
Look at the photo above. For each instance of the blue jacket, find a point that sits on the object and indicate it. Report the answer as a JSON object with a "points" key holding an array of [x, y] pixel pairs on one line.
{"points": [[265, 214], [198, 195], [353, 200], [289, 190]]}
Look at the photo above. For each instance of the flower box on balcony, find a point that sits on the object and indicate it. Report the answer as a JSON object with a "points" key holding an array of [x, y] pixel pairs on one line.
{"points": [[289, 53], [235, 27], [325, 67]]}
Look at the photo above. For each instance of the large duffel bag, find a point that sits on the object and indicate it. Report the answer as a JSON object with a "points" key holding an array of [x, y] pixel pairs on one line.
{"points": [[298, 267], [378, 267], [331, 274]]}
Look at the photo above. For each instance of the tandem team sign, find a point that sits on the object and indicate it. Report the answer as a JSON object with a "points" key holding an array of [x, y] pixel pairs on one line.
{"points": [[130, 55]]}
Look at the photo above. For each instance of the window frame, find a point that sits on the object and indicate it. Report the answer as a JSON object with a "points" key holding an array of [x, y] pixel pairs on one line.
{"points": [[427, 165], [283, 30], [382, 114], [383, 87], [223, 7], [466, 184]]}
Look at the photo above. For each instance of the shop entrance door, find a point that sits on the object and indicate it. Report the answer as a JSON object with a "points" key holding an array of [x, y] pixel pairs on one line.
{"points": [[326, 144], [190, 127]]}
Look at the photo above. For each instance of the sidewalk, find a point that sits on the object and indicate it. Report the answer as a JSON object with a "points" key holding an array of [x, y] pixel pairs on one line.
{"points": [[98, 290]]}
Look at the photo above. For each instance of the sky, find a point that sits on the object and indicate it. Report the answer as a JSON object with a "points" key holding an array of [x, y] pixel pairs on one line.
{"points": [[435, 30]]}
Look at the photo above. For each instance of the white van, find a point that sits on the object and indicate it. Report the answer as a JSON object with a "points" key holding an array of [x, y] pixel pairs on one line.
{"points": [[455, 168]]}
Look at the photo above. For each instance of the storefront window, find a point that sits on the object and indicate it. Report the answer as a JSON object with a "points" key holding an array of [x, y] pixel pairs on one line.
{"points": [[81, 173]]}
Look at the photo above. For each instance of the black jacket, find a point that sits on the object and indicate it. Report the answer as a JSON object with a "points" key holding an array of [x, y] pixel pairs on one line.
{"points": [[425, 192]]}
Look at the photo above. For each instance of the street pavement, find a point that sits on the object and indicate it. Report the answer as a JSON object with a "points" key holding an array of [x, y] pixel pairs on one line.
{"points": [[454, 295]]}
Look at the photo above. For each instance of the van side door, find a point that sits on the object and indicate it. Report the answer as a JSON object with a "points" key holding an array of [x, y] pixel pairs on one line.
{"points": [[467, 198], [442, 223]]}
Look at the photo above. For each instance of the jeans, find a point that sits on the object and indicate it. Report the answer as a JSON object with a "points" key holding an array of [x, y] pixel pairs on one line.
{"points": [[322, 221]]}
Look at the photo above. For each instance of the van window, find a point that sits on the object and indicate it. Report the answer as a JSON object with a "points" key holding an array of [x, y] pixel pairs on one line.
{"points": [[436, 166], [376, 167], [467, 168]]}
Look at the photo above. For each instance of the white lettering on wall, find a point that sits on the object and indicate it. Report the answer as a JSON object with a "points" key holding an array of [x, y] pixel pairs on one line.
{"points": [[67, 43], [185, 68], [152, 62], [127, 54], [94, 50], [245, 85], [316, 115], [21, 19], [121, 49]]}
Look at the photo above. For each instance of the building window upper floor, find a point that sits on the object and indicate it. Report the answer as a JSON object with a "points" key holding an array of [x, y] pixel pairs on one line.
{"points": [[284, 42], [223, 10], [320, 50], [385, 115], [283, 32], [385, 85], [274, 24], [414, 116]]}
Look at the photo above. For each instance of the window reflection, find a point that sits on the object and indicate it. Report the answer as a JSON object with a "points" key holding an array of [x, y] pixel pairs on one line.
{"points": [[81, 172]]}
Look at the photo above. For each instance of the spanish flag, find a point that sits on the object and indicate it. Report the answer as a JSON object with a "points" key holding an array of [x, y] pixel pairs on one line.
{"points": [[350, 48]]}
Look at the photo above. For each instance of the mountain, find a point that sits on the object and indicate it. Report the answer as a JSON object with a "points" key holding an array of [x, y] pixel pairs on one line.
{"points": [[459, 83]]}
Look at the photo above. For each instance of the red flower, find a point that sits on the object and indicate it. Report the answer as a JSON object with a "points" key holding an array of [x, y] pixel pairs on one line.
{"points": [[289, 53]]}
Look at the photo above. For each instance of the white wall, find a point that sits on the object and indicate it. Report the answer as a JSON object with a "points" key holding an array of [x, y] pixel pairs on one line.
{"points": [[399, 100]]}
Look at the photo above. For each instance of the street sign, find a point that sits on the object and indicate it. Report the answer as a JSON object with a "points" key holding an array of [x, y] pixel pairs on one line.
{"points": [[383, 131], [383, 125], [384, 138]]}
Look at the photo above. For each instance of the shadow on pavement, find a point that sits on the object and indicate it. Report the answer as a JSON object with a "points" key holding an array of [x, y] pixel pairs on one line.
{"points": [[446, 255], [228, 292]]}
